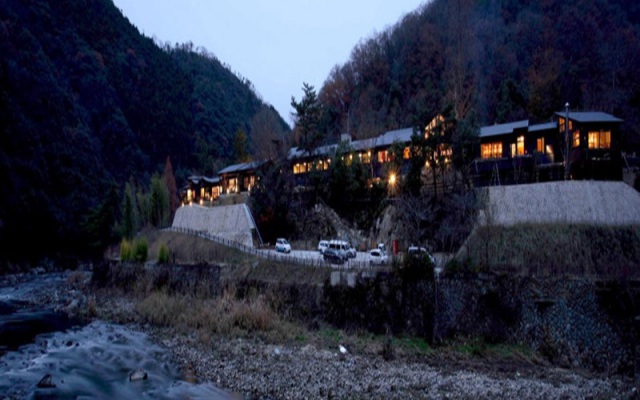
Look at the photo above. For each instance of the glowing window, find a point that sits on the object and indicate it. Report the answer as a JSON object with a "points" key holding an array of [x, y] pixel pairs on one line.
{"points": [[491, 150], [520, 146], [406, 154], [576, 139], [383, 156], [540, 145], [599, 139]]}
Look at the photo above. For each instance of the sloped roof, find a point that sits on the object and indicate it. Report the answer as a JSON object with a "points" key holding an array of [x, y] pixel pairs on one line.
{"points": [[589, 116], [543, 127], [241, 167], [398, 135], [384, 140], [503, 129], [197, 178]]}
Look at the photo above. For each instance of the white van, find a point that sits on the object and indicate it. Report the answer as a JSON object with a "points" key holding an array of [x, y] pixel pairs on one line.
{"points": [[322, 245], [337, 250]]}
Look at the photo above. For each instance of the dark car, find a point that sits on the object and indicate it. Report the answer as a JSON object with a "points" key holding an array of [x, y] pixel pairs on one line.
{"points": [[421, 252], [334, 256]]}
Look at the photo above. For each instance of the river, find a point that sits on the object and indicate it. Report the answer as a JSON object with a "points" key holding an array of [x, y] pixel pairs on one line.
{"points": [[76, 361]]}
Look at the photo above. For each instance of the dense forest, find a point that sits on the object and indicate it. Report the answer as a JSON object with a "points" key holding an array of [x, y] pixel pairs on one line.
{"points": [[87, 104], [491, 61]]}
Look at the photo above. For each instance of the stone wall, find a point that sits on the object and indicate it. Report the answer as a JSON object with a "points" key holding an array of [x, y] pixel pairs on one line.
{"points": [[573, 323]]}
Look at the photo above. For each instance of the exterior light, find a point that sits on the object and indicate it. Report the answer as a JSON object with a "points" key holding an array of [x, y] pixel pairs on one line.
{"points": [[392, 179]]}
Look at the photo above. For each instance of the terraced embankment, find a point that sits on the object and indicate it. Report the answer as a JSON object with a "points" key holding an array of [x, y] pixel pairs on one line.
{"points": [[571, 202]]}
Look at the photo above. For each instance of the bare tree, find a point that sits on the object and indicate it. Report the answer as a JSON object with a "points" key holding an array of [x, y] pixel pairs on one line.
{"points": [[267, 135]]}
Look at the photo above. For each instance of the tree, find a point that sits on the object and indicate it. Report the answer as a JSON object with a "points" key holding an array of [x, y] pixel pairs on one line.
{"points": [[460, 83], [240, 146], [170, 180], [158, 202], [306, 116], [98, 226], [129, 212], [267, 135], [418, 150]]}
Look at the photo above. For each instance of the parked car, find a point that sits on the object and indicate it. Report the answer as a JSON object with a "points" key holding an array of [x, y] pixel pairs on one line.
{"points": [[322, 245], [351, 252], [377, 257], [420, 251], [283, 246], [334, 256]]}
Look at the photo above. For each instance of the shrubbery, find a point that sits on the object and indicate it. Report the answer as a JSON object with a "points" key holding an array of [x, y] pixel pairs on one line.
{"points": [[136, 251], [140, 250], [125, 250], [163, 254]]}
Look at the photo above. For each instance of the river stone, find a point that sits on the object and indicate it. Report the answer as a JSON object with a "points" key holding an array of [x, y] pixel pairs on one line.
{"points": [[46, 382], [138, 375]]}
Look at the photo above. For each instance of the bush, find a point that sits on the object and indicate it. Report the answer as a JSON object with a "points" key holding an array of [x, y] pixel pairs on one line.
{"points": [[140, 250], [163, 254], [125, 250]]}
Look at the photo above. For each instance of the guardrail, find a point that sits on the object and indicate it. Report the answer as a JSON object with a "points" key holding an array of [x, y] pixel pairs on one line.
{"points": [[272, 255]]}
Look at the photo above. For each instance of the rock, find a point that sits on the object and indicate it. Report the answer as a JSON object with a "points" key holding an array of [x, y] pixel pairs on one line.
{"points": [[138, 375], [46, 382]]}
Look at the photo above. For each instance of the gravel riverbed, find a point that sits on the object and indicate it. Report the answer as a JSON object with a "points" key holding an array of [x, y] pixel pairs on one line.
{"points": [[252, 368]]}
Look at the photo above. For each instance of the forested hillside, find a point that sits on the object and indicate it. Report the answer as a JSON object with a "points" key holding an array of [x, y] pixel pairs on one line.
{"points": [[86, 103], [491, 61]]}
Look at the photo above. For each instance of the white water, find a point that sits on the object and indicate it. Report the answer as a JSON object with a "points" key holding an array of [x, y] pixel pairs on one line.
{"points": [[94, 362]]}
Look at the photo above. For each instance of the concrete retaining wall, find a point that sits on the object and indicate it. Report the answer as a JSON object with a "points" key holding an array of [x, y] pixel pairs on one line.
{"points": [[232, 222], [593, 202]]}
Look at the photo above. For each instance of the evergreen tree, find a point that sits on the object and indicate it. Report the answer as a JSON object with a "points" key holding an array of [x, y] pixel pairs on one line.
{"points": [[307, 114], [169, 178]]}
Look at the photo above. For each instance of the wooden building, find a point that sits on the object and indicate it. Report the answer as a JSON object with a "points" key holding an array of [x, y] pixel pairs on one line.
{"points": [[519, 152], [594, 143]]}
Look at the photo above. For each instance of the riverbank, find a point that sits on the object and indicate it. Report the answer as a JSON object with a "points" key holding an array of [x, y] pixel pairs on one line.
{"points": [[311, 364]]}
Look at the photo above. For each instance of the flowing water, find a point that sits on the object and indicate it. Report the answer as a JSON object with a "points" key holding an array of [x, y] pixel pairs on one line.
{"points": [[93, 361]]}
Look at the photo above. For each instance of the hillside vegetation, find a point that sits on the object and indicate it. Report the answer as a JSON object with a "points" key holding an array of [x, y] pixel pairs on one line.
{"points": [[86, 103], [491, 62]]}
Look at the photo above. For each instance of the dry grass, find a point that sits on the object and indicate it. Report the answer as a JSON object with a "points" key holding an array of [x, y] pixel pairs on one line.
{"points": [[558, 249], [226, 315]]}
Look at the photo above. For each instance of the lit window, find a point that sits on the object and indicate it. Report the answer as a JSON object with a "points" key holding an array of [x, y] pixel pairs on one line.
{"points": [[576, 139], [540, 145], [520, 146], [599, 139], [491, 150], [383, 156], [406, 154], [561, 125]]}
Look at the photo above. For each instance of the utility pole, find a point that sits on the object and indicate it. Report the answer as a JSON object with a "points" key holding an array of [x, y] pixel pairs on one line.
{"points": [[567, 141]]}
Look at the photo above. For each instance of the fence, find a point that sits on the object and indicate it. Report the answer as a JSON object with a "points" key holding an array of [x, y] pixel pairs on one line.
{"points": [[282, 258]]}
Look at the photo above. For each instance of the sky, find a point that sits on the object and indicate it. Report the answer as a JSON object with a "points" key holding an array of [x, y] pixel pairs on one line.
{"points": [[276, 44]]}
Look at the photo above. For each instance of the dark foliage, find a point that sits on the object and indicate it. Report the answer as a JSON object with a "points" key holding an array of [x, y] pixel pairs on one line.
{"points": [[86, 102], [507, 60]]}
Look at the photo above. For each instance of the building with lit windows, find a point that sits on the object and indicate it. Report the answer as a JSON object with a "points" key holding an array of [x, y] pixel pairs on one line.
{"points": [[511, 153], [520, 152]]}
